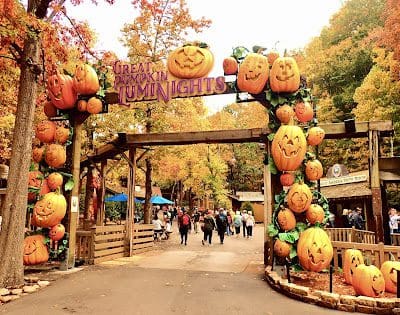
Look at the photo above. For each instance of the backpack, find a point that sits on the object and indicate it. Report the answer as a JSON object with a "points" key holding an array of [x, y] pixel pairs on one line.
{"points": [[185, 220]]}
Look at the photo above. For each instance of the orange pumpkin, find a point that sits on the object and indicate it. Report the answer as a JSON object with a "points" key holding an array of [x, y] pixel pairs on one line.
{"points": [[284, 113], [285, 75], [50, 210], [35, 250], [61, 91], [299, 197], [253, 73], [314, 249], [230, 66], [351, 260], [287, 179], [55, 155], [315, 213], [81, 105], [38, 154], [389, 272], [61, 135], [281, 248], [272, 56], [314, 170], [286, 219], [304, 111], [190, 62], [37, 181], [85, 80], [288, 147], [315, 135], [54, 180], [45, 131], [50, 110], [368, 281], [94, 105], [57, 232]]}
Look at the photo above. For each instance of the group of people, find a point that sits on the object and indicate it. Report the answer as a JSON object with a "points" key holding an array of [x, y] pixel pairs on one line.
{"points": [[353, 218]]}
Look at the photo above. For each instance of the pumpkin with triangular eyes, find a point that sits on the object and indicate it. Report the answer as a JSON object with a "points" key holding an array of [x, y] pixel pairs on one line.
{"points": [[35, 250], [253, 73], [351, 260], [284, 75], [368, 281], [389, 270]]}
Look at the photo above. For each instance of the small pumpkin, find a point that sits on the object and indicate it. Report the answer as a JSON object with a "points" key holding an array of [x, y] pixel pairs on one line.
{"points": [[299, 197], [81, 105], [287, 179], [190, 61], [315, 213], [281, 248], [285, 113], [230, 66], [272, 56], [285, 75], [94, 105], [61, 135], [35, 250], [314, 169], [45, 131], [286, 219], [368, 281], [315, 135], [50, 110], [288, 147], [37, 182], [50, 210], [57, 232], [314, 249], [253, 73], [55, 155], [38, 154], [85, 80], [389, 272], [351, 260], [304, 111], [54, 180], [61, 91]]}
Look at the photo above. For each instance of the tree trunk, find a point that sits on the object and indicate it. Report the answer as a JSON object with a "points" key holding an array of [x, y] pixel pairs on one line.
{"points": [[147, 204], [14, 206]]}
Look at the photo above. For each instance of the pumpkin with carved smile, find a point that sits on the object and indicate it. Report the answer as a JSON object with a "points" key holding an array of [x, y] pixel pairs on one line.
{"points": [[35, 250], [314, 249], [50, 210], [315, 213], [61, 91], [315, 135], [299, 197], [352, 259], [288, 147], [285, 75], [85, 80], [314, 170], [253, 73], [389, 271], [55, 155], [45, 131], [368, 281]]}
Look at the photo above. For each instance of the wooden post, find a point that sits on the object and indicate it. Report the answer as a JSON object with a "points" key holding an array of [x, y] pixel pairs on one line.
{"points": [[268, 208], [73, 206], [375, 183], [102, 193], [88, 200], [131, 197]]}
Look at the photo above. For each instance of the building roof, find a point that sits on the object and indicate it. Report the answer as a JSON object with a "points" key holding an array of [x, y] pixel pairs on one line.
{"points": [[252, 196], [351, 190]]}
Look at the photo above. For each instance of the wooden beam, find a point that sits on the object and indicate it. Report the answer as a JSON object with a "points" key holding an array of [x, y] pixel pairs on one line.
{"points": [[390, 164], [338, 130]]}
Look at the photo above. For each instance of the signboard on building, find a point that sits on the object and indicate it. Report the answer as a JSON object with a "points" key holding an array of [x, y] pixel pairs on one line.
{"points": [[343, 180]]}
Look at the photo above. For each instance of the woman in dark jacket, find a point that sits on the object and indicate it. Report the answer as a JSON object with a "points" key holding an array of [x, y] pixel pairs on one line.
{"points": [[208, 227]]}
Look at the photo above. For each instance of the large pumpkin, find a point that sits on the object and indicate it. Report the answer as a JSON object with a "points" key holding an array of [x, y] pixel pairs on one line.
{"points": [[281, 248], [304, 111], [351, 260], [45, 131], [35, 250], [288, 147], [285, 75], [299, 197], [314, 169], [389, 272], [50, 210], [61, 91], [368, 281], [85, 80], [253, 73], [315, 214], [315, 135], [314, 249], [230, 66], [55, 155], [286, 219], [285, 113], [57, 232], [190, 62]]}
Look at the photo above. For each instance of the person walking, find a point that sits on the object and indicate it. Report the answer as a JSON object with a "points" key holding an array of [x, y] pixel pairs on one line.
{"points": [[393, 221], [229, 231], [244, 219], [358, 220], [208, 227], [237, 223], [222, 222], [196, 219], [184, 226], [250, 222]]}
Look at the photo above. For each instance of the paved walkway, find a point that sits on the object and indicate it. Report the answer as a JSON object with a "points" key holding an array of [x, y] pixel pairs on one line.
{"points": [[173, 279]]}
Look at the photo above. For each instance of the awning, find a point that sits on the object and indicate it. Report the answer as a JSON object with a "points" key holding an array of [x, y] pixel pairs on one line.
{"points": [[352, 190]]}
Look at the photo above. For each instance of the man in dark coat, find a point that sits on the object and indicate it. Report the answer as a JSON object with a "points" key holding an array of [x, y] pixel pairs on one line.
{"points": [[222, 222]]}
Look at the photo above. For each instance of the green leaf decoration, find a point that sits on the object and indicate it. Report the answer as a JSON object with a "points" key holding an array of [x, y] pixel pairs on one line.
{"points": [[69, 184], [272, 230], [289, 237], [271, 136], [293, 252], [240, 52], [297, 267], [272, 166], [301, 226], [268, 95]]}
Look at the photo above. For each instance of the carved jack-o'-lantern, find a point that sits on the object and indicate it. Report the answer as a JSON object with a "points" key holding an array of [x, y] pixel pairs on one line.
{"points": [[314, 169], [286, 219], [389, 271], [38, 183], [190, 62], [57, 232], [35, 250], [288, 147], [45, 131], [55, 155], [284, 76], [54, 180], [304, 111], [50, 210], [285, 113], [314, 249], [85, 80], [61, 91], [315, 213], [281, 248], [230, 65], [299, 197], [352, 259], [253, 73], [368, 281], [315, 135]]}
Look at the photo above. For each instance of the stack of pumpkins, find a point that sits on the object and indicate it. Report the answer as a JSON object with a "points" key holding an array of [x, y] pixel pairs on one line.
{"points": [[369, 280], [297, 130], [45, 183]]}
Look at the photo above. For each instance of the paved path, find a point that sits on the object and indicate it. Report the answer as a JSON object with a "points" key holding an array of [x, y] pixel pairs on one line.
{"points": [[173, 279]]}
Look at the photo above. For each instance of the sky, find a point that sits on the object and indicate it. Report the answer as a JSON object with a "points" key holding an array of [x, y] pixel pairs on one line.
{"points": [[280, 24]]}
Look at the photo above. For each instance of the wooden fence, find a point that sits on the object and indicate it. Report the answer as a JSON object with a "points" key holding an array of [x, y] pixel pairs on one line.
{"points": [[351, 235], [103, 243], [395, 239]]}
